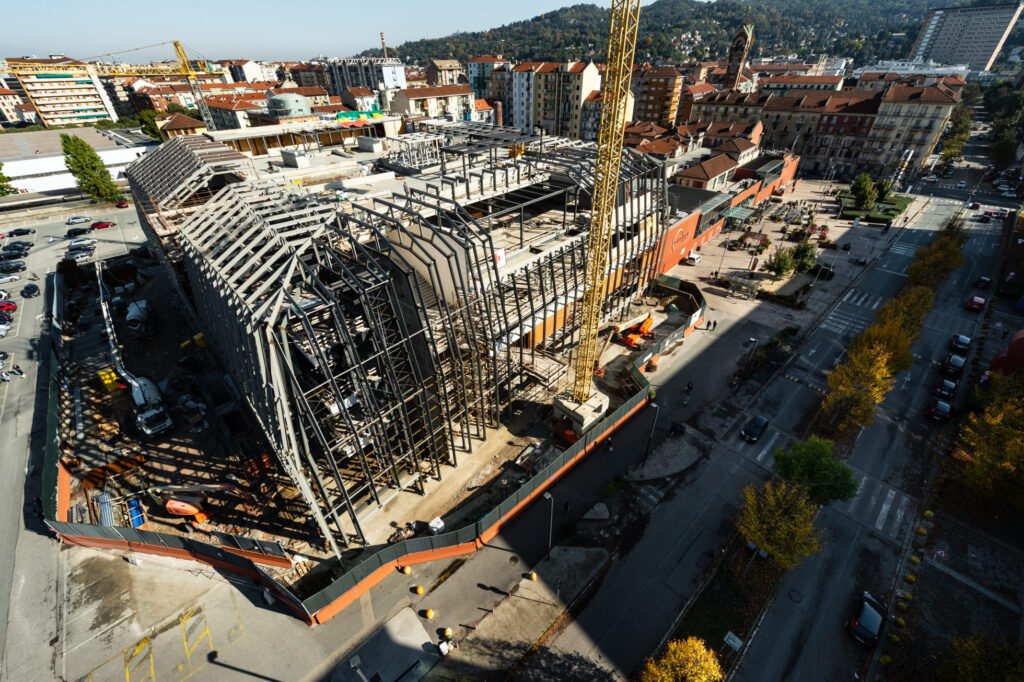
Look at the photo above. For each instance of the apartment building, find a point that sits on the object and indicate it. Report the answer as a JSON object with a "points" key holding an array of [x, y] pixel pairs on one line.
{"points": [[524, 83], [499, 89], [479, 70], [310, 76], [433, 101], [658, 91], [689, 94], [590, 114], [314, 96], [248, 70], [445, 72], [233, 111], [158, 98], [374, 73], [358, 98], [558, 96], [965, 35], [910, 118], [780, 85], [72, 96], [9, 101]]}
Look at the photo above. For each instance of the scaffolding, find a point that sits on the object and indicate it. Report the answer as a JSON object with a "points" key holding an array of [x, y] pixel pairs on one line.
{"points": [[377, 342]]}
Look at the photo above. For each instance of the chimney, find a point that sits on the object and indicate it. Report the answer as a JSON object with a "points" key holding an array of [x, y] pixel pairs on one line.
{"points": [[497, 114]]}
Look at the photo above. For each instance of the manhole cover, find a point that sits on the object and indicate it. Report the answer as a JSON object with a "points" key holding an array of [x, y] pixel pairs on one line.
{"points": [[513, 560], [795, 596]]}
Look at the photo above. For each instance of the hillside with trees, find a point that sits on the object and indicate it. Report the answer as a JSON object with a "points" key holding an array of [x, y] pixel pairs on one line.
{"points": [[685, 30]]}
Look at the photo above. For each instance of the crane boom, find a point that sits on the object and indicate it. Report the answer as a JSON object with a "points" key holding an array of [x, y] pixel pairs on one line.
{"points": [[614, 95]]}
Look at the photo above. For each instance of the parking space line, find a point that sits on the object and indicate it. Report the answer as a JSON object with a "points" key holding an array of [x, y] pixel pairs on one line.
{"points": [[856, 498], [767, 447], [884, 511]]}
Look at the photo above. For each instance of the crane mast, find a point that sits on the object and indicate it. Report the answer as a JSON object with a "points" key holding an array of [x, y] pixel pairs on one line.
{"points": [[614, 94]]}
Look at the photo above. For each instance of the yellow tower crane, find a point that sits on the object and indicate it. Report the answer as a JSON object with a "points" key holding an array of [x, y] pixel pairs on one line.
{"points": [[186, 67], [584, 407]]}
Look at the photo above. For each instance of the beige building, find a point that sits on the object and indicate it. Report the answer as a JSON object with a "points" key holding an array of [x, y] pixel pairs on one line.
{"points": [[445, 72], [657, 91], [432, 101], [558, 96], [910, 119], [590, 114], [9, 102]]}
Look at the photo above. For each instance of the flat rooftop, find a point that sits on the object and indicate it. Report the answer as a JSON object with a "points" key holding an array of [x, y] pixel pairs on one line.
{"points": [[43, 142]]}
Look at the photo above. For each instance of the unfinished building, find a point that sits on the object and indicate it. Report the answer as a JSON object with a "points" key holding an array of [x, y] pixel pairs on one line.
{"points": [[375, 339]]}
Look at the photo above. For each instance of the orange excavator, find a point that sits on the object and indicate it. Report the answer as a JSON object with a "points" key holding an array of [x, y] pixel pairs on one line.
{"points": [[176, 500], [631, 333]]}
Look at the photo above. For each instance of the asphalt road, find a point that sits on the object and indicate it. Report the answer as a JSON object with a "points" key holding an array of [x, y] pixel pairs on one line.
{"points": [[802, 637], [27, 559]]}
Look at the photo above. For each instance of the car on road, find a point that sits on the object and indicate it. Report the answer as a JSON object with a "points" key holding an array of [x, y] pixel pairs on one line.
{"points": [[122, 204], [84, 241], [77, 220], [954, 364], [946, 389], [867, 620], [985, 219], [930, 178], [975, 205], [975, 303], [940, 410], [77, 231], [754, 428], [102, 225], [30, 291], [8, 305], [693, 259], [824, 271], [961, 185], [21, 231], [959, 342], [6, 278], [1010, 195]]}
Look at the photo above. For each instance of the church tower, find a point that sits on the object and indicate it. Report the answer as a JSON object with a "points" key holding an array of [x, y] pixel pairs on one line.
{"points": [[738, 56]]}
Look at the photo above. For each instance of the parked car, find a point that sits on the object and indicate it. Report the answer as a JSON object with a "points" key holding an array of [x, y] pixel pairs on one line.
{"points": [[77, 231], [84, 241], [823, 271], [985, 219], [8, 305], [77, 220], [983, 282], [867, 620], [754, 428], [7, 278], [1010, 195], [77, 256], [4, 295], [959, 342], [12, 266], [954, 364], [30, 291], [12, 255], [940, 410], [946, 389], [975, 205], [102, 225], [931, 178], [14, 246], [693, 259], [122, 204], [19, 231], [975, 303]]}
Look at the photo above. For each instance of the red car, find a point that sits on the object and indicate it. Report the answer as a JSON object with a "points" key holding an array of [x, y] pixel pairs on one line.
{"points": [[975, 205], [8, 305], [122, 204], [101, 225], [975, 303]]}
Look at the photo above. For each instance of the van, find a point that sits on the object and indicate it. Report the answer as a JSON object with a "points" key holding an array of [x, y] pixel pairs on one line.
{"points": [[693, 259]]}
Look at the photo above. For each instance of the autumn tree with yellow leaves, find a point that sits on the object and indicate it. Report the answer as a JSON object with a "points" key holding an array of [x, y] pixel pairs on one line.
{"points": [[686, 660], [779, 519], [992, 441], [858, 385]]}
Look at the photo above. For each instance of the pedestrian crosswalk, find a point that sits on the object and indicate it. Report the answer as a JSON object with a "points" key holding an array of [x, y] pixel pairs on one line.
{"points": [[847, 322], [649, 494], [879, 506], [863, 298], [904, 248]]}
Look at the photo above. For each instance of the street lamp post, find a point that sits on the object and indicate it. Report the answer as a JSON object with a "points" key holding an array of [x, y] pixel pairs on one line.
{"points": [[753, 347], [551, 519], [650, 436], [755, 553]]}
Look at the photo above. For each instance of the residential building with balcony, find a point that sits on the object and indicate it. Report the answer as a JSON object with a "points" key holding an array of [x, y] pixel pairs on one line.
{"points": [[358, 98], [688, 95], [233, 111], [445, 72], [479, 70], [590, 114], [657, 91], [74, 95], [9, 101], [375, 73], [559, 93], [780, 85], [433, 101]]}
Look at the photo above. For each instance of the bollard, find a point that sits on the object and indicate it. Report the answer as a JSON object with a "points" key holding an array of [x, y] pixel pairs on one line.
{"points": [[430, 613], [533, 576], [419, 589], [448, 633], [406, 570]]}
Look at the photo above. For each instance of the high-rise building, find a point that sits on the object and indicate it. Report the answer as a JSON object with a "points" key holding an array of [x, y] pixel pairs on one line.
{"points": [[374, 73], [74, 95], [479, 71], [965, 35]]}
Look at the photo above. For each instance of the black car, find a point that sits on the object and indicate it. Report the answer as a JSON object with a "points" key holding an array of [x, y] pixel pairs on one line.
{"points": [[823, 271], [866, 624], [30, 291], [983, 283], [946, 389], [77, 232], [16, 246], [953, 365], [12, 255], [18, 232], [959, 342], [754, 428], [940, 410], [985, 219]]}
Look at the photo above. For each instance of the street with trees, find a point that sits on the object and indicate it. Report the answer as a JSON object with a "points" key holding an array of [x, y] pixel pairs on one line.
{"points": [[684, 660], [779, 519], [992, 441], [813, 464]]}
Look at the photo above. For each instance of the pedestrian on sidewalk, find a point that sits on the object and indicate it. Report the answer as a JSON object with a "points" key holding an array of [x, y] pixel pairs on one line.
{"points": [[715, 325], [610, 449]]}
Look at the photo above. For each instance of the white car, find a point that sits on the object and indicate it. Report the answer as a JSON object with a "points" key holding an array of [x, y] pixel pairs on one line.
{"points": [[4, 328], [4, 295], [5, 279], [1010, 195], [962, 184], [84, 241], [78, 256], [77, 220], [931, 178], [693, 259]]}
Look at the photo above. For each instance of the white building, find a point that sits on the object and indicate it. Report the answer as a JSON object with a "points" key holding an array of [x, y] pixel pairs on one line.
{"points": [[35, 163], [374, 73], [916, 67], [73, 95], [966, 34], [249, 71], [9, 102]]}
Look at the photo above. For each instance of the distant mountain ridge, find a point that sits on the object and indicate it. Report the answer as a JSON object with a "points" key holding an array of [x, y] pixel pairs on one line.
{"points": [[682, 30]]}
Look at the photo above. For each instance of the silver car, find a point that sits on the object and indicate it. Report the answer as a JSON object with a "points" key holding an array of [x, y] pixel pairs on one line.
{"points": [[77, 220]]}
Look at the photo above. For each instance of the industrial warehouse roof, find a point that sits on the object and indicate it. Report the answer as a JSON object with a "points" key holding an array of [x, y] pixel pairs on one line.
{"points": [[15, 145]]}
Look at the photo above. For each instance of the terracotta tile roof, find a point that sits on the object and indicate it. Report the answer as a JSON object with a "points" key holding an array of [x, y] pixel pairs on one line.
{"points": [[182, 122], [482, 105], [232, 103], [594, 96], [816, 80], [699, 89], [780, 67], [307, 67], [359, 91], [437, 91], [663, 72], [879, 76], [852, 101], [446, 64], [711, 168], [528, 66], [487, 59], [24, 107], [928, 94], [234, 62], [736, 145], [311, 91], [662, 147], [577, 67], [330, 109], [5, 91]]}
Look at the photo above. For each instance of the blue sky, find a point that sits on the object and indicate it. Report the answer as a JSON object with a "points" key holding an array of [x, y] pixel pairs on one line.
{"points": [[260, 29]]}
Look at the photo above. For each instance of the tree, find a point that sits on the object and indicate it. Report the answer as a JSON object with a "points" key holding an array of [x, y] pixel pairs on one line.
{"points": [[981, 658], [147, 119], [813, 465], [805, 256], [857, 385], [91, 175], [781, 262], [864, 192], [993, 441], [1003, 147], [5, 184], [779, 519], [687, 660], [883, 189]]}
